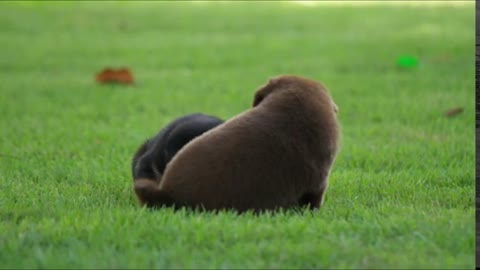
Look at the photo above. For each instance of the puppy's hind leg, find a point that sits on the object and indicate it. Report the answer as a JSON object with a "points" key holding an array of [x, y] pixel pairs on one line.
{"points": [[149, 194], [313, 199]]}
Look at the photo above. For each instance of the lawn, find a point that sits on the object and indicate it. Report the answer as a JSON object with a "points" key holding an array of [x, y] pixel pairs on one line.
{"points": [[402, 189]]}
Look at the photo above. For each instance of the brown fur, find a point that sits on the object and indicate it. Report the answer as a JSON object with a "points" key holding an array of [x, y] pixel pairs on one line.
{"points": [[277, 154]]}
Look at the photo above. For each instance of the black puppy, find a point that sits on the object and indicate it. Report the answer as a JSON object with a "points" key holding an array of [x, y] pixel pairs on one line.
{"points": [[153, 155]]}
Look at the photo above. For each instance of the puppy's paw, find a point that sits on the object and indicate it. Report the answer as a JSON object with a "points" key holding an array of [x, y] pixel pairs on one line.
{"points": [[145, 189]]}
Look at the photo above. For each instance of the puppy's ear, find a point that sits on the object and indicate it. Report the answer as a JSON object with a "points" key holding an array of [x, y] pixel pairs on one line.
{"points": [[258, 98], [264, 91]]}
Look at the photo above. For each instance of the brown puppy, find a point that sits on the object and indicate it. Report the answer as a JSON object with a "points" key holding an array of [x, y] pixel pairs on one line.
{"points": [[278, 154]]}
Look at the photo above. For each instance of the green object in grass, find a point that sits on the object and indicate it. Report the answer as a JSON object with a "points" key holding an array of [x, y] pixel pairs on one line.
{"points": [[406, 61]]}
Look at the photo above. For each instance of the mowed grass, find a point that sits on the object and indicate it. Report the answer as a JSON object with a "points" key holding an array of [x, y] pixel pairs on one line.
{"points": [[402, 188]]}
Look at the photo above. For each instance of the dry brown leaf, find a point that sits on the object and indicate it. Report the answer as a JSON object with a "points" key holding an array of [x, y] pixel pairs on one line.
{"points": [[453, 112], [109, 75]]}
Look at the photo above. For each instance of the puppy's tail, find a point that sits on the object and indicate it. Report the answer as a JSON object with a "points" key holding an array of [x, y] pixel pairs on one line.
{"points": [[149, 194]]}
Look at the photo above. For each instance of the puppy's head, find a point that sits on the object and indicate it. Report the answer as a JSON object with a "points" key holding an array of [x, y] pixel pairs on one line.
{"points": [[294, 86]]}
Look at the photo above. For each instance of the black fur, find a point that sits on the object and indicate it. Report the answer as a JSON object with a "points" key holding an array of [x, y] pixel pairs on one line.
{"points": [[153, 155]]}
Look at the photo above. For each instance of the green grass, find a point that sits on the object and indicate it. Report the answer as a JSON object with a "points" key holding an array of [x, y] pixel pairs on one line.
{"points": [[402, 188]]}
